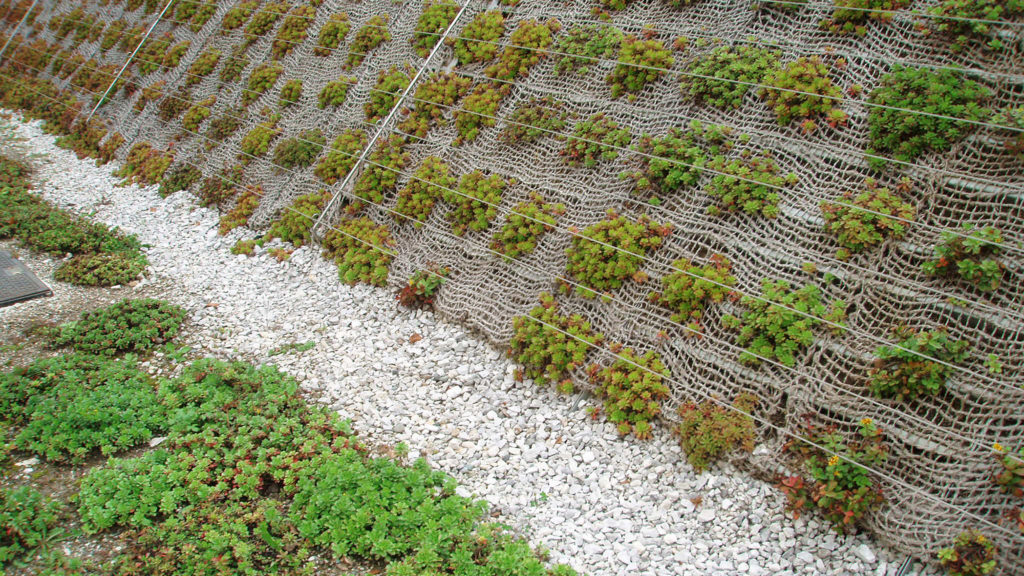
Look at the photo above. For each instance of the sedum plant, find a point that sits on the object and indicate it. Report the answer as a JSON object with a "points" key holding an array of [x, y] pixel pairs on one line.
{"points": [[723, 77], [475, 203], [968, 21], [917, 365], [640, 62], [972, 255], [238, 15], [197, 114], [675, 161], [341, 156], [595, 139], [335, 92], [840, 485], [262, 79], [434, 98], [1010, 477], [221, 187], [689, 290], [127, 326], [384, 166], [972, 554], [749, 184], [478, 40], [369, 37], [202, 66], [534, 119], [390, 85], [526, 47], [437, 15], [332, 34], [897, 125], [549, 345], [633, 388], [300, 151], [180, 177], [781, 321], [257, 142], [291, 92], [292, 31], [865, 219], [295, 222], [28, 519], [246, 205], [223, 126], [233, 68], [421, 287], [709, 430], [610, 252], [428, 183], [264, 20], [1013, 133], [803, 90], [853, 16], [479, 110], [361, 249], [583, 47], [527, 222]]}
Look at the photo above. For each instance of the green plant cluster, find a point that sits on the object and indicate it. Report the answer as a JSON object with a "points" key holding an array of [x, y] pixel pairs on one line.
{"points": [[292, 31], [196, 14], [361, 249], [781, 321], [219, 188], [150, 57], [173, 105], [535, 118], [675, 161], [1010, 477], [179, 177], [202, 66], [300, 151], [610, 252], [127, 326], [614, 4], [262, 79], [860, 220], [380, 177], [840, 486], [421, 287], [853, 16], [245, 247], [1012, 118], [77, 21], [723, 77], [144, 165], [749, 184], [896, 124], [549, 345], [197, 114], [525, 49], [295, 222], [370, 36], [709, 430], [527, 222], [27, 518], [332, 34], [390, 85], [233, 68], [691, 288], [917, 365], [437, 15], [428, 183], [243, 209], [640, 62], [595, 139], [264, 20], [972, 554], [434, 97], [172, 58], [291, 92], [479, 110], [334, 92], [478, 40], [803, 90], [72, 405], [341, 156], [239, 15], [583, 47], [223, 126], [256, 142], [968, 20], [112, 34], [633, 388], [972, 254], [475, 204]]}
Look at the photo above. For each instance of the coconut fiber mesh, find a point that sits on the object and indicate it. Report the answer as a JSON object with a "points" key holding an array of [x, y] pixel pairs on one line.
{"points": [[938, 478]]}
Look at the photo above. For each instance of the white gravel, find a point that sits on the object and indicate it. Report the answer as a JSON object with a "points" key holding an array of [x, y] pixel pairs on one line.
{"points": [[603, 504]]}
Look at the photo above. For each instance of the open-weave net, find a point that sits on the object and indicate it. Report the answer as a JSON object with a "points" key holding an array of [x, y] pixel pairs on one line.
{"points": [[941, 459]]}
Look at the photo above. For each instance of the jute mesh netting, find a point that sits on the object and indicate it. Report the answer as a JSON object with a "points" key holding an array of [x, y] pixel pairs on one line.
{"points": [[938, 478]]}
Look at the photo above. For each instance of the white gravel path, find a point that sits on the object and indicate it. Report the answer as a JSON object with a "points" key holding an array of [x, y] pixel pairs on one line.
{"points": [[603, 504]]}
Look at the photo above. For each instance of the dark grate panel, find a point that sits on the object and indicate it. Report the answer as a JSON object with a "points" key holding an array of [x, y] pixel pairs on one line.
{"points": [[17, 282]]}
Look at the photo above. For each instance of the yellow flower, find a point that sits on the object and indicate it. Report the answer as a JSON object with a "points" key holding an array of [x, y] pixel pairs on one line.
{"points": [[866, 421], [997, 447], [833, 460]]}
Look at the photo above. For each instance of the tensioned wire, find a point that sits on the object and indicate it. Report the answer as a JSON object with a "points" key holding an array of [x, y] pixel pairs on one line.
{"points": [[513, 10], [1009, 246], [863, 103], [834, 324], [887, 477]]}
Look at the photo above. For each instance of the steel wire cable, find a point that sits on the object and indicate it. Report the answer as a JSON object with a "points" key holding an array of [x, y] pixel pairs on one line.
{"points": [[677, 382], [831, 323]]}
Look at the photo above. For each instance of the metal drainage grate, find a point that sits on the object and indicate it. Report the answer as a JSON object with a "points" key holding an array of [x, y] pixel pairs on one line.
{"points": [[18, 283]]}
